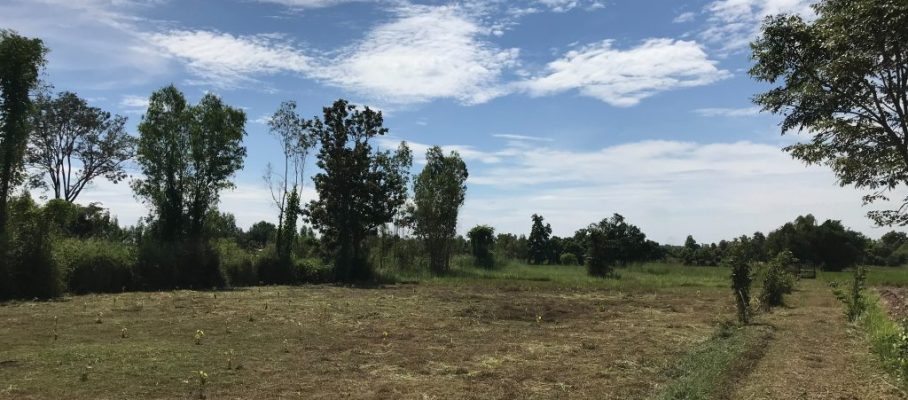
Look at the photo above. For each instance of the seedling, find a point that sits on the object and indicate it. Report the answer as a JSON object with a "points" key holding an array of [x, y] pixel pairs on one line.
{"points": [[230, 355], [203, 382], [124, 333], [98, 319], [85, 373], [227, 326], [199, 335]]}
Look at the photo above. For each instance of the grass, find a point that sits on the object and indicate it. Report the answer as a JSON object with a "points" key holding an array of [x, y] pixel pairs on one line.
{"points": [[711, 369], [876, 276]]}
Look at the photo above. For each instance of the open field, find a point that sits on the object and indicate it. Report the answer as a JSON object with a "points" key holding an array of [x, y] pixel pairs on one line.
{"points": [[538, 332]]}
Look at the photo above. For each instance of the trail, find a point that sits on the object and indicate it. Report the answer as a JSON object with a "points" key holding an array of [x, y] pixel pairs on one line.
{"points": [[815, 354]]}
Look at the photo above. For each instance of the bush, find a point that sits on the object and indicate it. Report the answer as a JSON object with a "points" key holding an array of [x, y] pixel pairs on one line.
{"points": [[170, 265], [31, 269], [95, 266], [568, 259], [777, 282], [854, 299], [598, 262], [272, 268], [237, 264], [740, 282]]}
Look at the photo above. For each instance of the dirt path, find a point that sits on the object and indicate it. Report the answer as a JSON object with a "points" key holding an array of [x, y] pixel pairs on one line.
{"points": [[814, 354]]}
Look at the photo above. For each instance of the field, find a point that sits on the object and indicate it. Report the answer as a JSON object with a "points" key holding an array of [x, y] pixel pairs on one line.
{"points": [[520, 332]]}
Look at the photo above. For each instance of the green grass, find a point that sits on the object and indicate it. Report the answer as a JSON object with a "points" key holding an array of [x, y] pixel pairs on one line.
{"points": [[712, 367], [876, 276], [649, 276]]}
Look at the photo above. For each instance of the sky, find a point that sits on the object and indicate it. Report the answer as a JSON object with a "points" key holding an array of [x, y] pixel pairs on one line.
{"points": [[573, 109]]}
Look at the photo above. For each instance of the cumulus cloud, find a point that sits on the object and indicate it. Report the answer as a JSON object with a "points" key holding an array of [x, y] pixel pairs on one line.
{"points": [[625, 77], [733, 24], [427, 53]]}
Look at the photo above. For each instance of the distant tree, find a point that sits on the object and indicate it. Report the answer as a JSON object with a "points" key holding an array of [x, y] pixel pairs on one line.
{"points": [[828, 245], [359, 189], [482, 239], [222, 225], [261, 233], [741, 279], [21, 59], [538, 242], [438, 193], [296, 142], [73, 143], [599, 259], [187, 155], [843, 79], [555, 248]]}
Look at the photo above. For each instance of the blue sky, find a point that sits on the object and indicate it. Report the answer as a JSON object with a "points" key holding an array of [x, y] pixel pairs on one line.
{"points": [[574, 109]]}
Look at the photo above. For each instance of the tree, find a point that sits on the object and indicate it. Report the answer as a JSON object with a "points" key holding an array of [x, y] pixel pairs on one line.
{"points": [[438, 192], [741, 279], [296, 142], [358, 189], [482, 239], [72, 143], [21, 59], [538, 241], [260, 233], [188, 155], [844, 79]]}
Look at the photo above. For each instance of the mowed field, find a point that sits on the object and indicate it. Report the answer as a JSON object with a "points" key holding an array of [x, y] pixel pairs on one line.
{"points": [[522, 332]]}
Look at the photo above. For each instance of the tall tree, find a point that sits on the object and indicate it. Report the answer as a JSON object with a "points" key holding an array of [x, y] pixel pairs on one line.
{"points": [[359, 188], [538, 242], [21, 60], [843, 78], [72, 144], [296, 142], [438, 193], [482, 239], [188, 155]]}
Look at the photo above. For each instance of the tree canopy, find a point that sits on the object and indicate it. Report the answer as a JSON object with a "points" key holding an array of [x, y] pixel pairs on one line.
{"points": [[438, 193], [843, 78]]}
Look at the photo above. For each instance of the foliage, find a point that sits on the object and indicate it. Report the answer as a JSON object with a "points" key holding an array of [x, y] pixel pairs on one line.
{"points": [[438, 193], [358, 189], [169, 265], [568, 259], [260, 234], [482, 241], [237, 264], [828, 245], [78, 221], [538, 242], [33, 272], [187, 154], [21, 59], [842, 78], [777, 281], [741, 279], [66, 134], [95, 266], [598, 259], [854, 299], [287, 234]]}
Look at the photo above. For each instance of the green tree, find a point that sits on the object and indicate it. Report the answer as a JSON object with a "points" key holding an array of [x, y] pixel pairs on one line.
{"points": [[187, 155], [21, 60], [741, 279], [482, 240], [73, 143], [843, 78], [359, 189], [260, 234], [538, 242], [438, 193]]}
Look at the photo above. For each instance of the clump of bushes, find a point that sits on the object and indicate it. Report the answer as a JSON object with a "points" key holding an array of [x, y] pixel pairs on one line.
{"points": [[482, 238], [568, 259], [853, 299], [168, 265], [31, 271], [777, 281], [95, 266], [237, 264]]}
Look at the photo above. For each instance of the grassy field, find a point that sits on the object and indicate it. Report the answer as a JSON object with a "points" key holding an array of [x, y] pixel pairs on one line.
{"points": [[522, 331]]}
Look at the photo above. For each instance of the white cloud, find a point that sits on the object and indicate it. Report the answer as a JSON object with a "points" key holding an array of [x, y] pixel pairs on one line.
{"points": [[225, 60], [728, 112], [733, 24], [567, 5], [522, 137], [427, 53], [625, 77], [685, 17], [132, 104], [312, 3]]}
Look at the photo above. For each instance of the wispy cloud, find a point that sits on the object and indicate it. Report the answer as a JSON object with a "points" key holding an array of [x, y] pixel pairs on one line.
{"points": [[685, 17], [625, 77], [522, 137], [733, 24], [728, 112]]}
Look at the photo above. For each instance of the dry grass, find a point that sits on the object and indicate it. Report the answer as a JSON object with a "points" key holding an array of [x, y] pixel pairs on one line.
{"points": [[402, 341]]}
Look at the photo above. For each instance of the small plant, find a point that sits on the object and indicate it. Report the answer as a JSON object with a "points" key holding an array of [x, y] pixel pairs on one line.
{"points": [[230, 356], [85, 373], [900, 348], [286, 346], [227, 326], [55, 329], [777, 282], [98, 319], [854, 299], [199, 335], [124, 333], [203, 383], [740, 283]]}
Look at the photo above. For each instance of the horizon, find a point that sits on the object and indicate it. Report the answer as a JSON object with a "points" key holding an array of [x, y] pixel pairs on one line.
{"points": [[565, 108]]}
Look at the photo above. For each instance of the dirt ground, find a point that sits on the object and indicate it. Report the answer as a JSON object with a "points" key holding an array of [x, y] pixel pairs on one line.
{"points": [[895, 299], [321, 342], [815, 354]]}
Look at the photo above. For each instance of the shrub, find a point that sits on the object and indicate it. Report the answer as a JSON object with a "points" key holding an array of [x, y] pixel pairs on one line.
{"points": [[272, 268], [777, 282], [168, 265], [598, 263], [95, 266], [482, 238], [31, 269], [237, 264], [854, 299], [740, 283], [568, 259]]}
